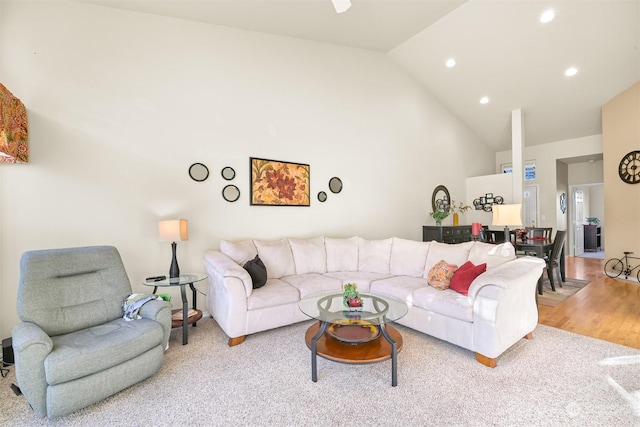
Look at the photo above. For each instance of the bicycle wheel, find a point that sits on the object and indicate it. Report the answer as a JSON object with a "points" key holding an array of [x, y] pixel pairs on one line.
{"points": [[613, 267]]}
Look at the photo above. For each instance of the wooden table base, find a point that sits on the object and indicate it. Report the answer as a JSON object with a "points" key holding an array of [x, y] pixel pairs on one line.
{"points": [[376, 350]]}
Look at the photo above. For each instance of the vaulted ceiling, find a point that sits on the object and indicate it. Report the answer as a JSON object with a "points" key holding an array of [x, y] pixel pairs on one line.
{"points": [[501, 49]]}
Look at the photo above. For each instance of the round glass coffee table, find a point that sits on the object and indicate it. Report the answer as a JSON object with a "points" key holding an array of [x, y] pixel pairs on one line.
{"points": [[356, 336]]}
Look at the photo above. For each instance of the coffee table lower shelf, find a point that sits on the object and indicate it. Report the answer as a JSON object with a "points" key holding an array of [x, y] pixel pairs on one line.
{"points": [[373, 351]]}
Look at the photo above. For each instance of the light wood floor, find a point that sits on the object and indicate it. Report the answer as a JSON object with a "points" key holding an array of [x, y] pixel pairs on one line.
{"points": [[607, 309]]}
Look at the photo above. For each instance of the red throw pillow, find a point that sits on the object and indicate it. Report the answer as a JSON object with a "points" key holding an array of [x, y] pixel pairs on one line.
{"points": [[463, 277]]}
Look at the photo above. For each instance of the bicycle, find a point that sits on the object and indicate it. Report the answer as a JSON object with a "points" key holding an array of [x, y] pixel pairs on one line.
{"points": [[615, 266]]}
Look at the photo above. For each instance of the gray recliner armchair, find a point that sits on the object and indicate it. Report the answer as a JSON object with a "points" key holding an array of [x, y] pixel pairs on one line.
{"points": [[73, 347]]}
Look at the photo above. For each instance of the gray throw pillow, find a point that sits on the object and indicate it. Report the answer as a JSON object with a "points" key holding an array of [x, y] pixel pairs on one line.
{"points": [[257, 271]]}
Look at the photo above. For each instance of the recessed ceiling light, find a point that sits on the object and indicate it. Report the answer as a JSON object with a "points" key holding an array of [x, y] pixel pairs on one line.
{"points": [[484, 100], [547, 16], [571, 72], [451, 62], [341, 5]]}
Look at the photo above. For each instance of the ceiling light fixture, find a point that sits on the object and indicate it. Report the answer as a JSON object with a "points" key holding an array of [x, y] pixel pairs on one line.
{"points": [[547, 16], [341, 5], [484, 100], [571, 72], [451, 62]]}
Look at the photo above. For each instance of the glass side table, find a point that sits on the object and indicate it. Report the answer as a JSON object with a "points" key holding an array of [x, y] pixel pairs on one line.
{"points": [[182, 281]]}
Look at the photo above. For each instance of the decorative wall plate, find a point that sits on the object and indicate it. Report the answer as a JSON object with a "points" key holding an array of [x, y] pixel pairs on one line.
{"points": [[228, 173], [230, 193], [198, 172]]}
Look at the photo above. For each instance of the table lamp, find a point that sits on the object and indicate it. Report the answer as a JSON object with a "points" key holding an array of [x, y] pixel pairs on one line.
{"points": [[507, 215], [173, 231]]}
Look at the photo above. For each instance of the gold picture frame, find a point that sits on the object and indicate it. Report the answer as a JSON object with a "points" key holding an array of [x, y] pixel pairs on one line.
{"points": [[279, 183]]}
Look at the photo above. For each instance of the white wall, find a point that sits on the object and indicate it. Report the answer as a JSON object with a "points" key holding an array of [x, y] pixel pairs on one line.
{"points": [[498, 184], [120, 104]]}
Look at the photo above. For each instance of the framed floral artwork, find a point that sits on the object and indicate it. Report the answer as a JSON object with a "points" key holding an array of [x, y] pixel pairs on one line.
{"points": [[13, 129], [278, 183]]}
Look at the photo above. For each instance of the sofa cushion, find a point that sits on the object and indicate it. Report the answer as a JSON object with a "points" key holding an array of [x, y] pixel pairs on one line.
{"points": [[448, 303], [313, 282], [309, 255], [408, 257], [361, 278], [440, 275], [466, 274], [241, 251], [401, 287], [492, 255], [342, 254], [277, 257], [275, 292], [457, 253], [257, 271], [374, 255]]}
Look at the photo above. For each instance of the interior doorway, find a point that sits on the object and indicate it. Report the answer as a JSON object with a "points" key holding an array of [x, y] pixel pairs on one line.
{"points": [[587, 201], [577, 221], [530, 214]]}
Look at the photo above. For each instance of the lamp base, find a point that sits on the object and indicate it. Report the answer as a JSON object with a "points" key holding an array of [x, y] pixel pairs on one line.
{"points": [[174, 270], [507, 235]]}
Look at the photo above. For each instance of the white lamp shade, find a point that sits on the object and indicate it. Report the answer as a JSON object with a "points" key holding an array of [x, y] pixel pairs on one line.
{"points": [[174, 230], [507, 215]]}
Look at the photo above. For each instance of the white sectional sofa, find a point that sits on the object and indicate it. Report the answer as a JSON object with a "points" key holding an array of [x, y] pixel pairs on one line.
{"points": [[499, 310]]}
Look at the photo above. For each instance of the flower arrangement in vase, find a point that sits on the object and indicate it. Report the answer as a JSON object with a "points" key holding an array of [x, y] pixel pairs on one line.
{"points": [[458, 209], [439, 215], [351, 297]]}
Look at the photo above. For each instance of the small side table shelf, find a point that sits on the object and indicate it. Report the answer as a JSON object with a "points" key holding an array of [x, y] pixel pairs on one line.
{"points": [[182, 281]]}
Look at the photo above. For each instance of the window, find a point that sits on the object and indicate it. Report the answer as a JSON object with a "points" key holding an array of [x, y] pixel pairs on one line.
{"points": [[529, 170]]}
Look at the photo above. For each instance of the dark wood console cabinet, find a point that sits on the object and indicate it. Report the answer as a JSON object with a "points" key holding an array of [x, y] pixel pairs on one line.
{"points": [[446, 234], [592, 239]]}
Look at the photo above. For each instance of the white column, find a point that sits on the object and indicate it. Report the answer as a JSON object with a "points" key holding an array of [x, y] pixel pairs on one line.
{"points": [[517, 147]]}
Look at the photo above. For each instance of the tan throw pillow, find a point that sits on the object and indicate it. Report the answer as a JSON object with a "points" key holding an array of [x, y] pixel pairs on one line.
{"points": [[440, 275]]}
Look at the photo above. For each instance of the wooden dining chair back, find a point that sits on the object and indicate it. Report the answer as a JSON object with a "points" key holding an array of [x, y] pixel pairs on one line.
{"points": [[545, 232], [553, 259]]}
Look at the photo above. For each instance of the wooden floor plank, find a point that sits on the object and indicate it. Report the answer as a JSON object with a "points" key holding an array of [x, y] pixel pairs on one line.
{"points": [[607, 309]]}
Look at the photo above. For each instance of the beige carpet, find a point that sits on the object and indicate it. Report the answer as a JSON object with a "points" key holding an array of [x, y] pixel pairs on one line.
{"points": [[569, 287], [556, 379]]}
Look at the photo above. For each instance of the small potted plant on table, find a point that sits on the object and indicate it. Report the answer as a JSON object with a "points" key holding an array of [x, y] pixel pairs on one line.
{"points": [[351, 297]]}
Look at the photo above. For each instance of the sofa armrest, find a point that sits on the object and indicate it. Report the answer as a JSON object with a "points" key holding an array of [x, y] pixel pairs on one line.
{"points": [[504, 305], [160, 311], [512, 274], [220, 266], [31, 346]]}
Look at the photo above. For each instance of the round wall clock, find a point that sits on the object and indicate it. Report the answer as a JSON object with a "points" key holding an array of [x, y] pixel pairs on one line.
{"points": [[563, 203], [629, 169]]}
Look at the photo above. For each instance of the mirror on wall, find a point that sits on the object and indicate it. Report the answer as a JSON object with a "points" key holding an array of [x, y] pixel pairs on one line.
{"points": [[335, 185], [440, 199], [198, 172], [230, 193], [228, 173], [322, 196]]}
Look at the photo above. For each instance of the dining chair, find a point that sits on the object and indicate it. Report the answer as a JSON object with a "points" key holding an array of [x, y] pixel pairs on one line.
{"points": [[553, 259], [545, 232]]}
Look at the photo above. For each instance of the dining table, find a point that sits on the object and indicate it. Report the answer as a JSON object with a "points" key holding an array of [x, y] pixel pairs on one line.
{"points": [[542, 248]]}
